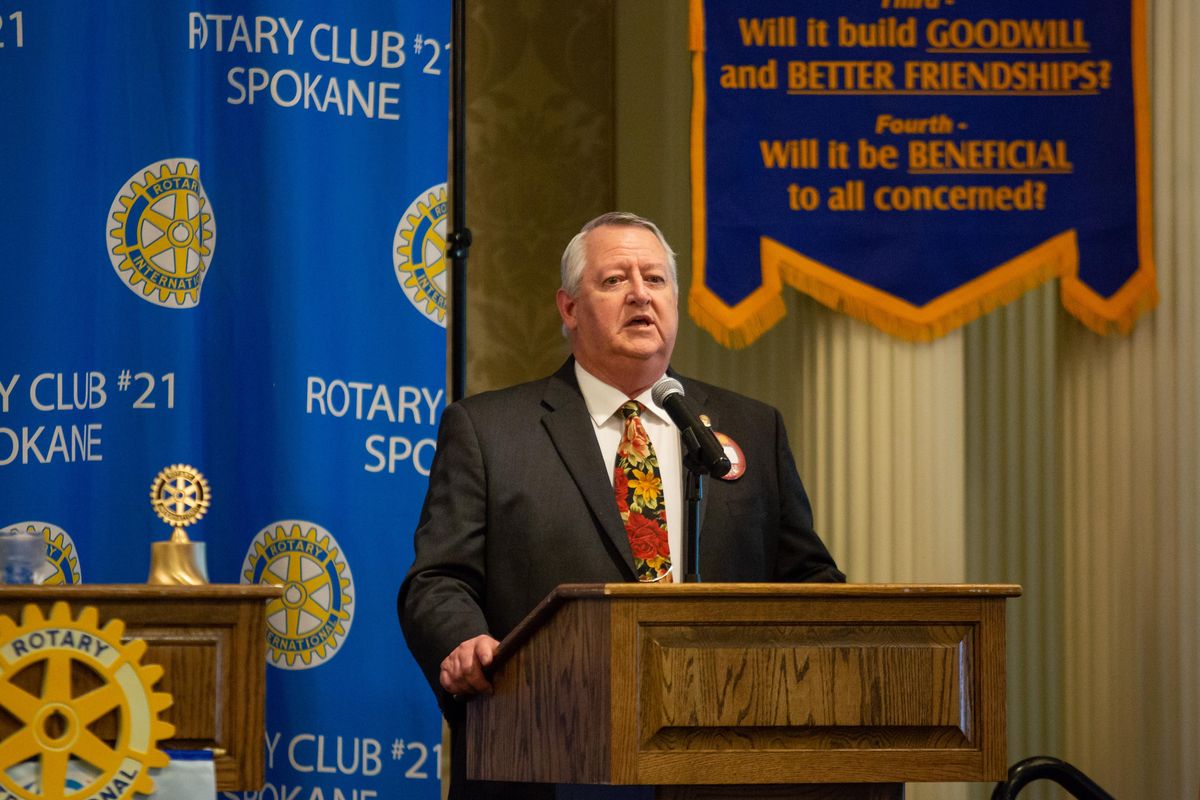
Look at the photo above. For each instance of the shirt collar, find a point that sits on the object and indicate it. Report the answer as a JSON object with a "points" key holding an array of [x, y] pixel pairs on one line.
{"points": [[603, 400]]}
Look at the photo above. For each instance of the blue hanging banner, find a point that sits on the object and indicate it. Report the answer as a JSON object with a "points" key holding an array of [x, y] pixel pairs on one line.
{"points": [[916, 163], [223, 247]]}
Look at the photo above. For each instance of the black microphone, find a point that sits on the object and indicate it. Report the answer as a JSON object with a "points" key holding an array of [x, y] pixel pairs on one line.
{"points": [[705, 453]]}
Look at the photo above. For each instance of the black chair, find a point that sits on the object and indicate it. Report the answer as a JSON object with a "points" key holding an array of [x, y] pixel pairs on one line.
{"points": [[1039, 768]]}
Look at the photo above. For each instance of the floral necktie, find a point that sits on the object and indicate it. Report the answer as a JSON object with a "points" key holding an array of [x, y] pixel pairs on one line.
{"points": [[638, 486]]}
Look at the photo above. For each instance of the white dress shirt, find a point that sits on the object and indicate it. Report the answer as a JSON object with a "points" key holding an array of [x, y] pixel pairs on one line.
{"points": [[604, 406]]}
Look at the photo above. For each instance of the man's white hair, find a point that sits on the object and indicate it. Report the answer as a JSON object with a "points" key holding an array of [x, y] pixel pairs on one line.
{"points": [[574, 258]]}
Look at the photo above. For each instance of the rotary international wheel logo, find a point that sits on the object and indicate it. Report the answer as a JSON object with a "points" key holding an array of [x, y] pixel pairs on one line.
{"points": [[162, 233], [55, 723], [306, 626], [419, 253], [180, 495], [60, 551]]}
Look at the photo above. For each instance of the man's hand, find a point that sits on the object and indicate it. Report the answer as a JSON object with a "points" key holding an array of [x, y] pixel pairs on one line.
{"points": [[463, 670]]}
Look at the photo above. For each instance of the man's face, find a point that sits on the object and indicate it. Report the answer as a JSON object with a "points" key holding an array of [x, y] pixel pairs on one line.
{"points": [[624, 316]]}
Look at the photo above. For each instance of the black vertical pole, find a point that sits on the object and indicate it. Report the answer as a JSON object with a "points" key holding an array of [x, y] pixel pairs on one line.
{"points": [[459, 240], [694, 493]]}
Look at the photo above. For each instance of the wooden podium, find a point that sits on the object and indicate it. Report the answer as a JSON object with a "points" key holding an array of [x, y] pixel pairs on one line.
{"points": [[750, 690], [211, 643]]}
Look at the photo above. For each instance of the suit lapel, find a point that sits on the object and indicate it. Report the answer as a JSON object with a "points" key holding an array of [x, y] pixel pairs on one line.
{"points": [[570, 428]]}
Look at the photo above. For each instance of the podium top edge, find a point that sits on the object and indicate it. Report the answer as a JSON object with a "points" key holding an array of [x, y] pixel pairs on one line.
{"points": [[137, 591], [798, 590], [619, 592]]}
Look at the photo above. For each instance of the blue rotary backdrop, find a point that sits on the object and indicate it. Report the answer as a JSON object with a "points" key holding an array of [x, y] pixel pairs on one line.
{"points": [[222, 236]]}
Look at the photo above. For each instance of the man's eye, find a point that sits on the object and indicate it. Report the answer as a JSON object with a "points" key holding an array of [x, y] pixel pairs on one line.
{"points": [[612, 280]]}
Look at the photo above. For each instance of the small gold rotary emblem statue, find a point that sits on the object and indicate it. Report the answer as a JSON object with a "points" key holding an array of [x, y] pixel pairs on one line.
{"points": [[179, 496]]}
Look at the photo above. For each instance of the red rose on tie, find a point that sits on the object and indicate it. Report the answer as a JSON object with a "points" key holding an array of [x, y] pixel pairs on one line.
{"points": [[646, 538], [621, 487]]}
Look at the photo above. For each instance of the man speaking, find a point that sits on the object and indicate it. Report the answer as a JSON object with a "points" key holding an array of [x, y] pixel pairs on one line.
{"points": [[578, 478]]}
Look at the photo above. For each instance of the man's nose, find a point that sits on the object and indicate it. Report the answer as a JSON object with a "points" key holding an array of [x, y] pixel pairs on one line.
{"points": [[638, 292]]}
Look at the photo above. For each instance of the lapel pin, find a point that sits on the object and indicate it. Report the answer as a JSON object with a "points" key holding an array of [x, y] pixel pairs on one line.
{"points": [[733, 451]]}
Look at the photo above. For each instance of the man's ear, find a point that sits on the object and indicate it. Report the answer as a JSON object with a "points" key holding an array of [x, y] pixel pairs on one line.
{"points": [[566, 309]]}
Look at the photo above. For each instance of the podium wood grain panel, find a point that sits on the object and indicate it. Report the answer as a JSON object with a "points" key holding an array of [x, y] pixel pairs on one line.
{"points": [[211, 643], [731, 685], [813, 676], [552, 707], [193, 676]]}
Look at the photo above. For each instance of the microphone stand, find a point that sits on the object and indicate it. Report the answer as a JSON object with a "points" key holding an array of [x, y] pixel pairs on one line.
{"points": [[694, 492]]}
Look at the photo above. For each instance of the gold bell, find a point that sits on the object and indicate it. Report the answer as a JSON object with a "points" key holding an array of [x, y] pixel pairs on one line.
{"points": [[178, 561], [179, 496]]}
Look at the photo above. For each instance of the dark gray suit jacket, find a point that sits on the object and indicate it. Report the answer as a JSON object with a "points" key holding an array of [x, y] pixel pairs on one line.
{"points": [[520, 501]]}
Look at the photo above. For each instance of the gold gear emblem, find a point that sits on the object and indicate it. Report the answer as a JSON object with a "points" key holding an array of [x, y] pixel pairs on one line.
{"points": [[419, 253], [62, 555], [180, 495], [313, 615], [164, 234], [56, 725]]}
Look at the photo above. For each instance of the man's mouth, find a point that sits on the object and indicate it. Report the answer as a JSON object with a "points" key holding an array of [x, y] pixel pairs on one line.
{"points": [[640, 321]]}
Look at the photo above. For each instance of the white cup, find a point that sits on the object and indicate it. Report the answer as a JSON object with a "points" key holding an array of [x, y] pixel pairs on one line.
{"points": [[22, 557]]}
